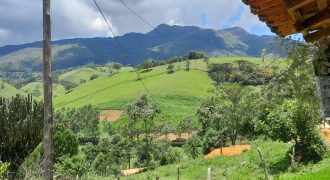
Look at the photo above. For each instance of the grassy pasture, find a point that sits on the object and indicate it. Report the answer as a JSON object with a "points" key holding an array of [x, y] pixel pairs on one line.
{"points": [[36, 89], [77, 75], [9, 90]]}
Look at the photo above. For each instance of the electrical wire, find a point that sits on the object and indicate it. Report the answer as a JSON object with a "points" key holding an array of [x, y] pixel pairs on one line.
{"points": [[142, 19], [120, 46]]}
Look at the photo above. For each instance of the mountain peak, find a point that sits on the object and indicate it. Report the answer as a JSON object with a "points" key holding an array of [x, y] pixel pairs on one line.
{"points": [[237, 31]]}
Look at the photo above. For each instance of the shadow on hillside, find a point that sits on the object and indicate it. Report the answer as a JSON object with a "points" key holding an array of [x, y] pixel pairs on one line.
{"points": [[280, 166], [146, 70]]}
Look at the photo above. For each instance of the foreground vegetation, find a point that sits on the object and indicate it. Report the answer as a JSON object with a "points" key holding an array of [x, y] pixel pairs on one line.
{"points": [[262, 104]]}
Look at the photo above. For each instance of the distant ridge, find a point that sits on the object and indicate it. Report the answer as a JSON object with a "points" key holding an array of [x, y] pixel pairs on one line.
{"points": [[165, 42]]}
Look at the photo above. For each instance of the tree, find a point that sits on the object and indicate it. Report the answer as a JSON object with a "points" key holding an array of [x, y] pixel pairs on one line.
{"points": [[170, 69], [117, 66], [101, 164], [263, 54], [192, 145], [72, 166], [84, 121], [68, 85], [188, 65], [238, 102], [187, 125], [207, 61], [65, 143], [194, 55], [147, 64], [296, 120], [94, 76], [21, 122], [142, 110], [294, 112], [110, 71]]}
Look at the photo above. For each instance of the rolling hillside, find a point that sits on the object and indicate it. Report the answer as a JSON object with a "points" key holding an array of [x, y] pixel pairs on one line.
{"points": [[178, 94], [36, 89], [81, 74], [8, 90], [163, 43]]}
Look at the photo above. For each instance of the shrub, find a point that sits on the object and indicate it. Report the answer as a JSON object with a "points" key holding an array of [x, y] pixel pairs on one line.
{"points": [[191, 147], [20, 128], [102, 164], [65, 143], [94, 76], [71, 166]]}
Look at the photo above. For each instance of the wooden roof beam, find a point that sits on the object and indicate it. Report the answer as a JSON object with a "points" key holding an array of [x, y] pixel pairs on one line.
{"points": [[293, 5], [322, 4], [314, 21], [318, 35]]}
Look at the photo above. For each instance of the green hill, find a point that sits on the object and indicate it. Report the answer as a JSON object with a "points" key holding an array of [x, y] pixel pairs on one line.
{"points": [[79, 75], [36, 89], [7, 90], [178, 94]]}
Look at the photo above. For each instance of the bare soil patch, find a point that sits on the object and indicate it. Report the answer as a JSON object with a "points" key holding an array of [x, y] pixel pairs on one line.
{"points": [[172, 137], [325, 133], [111, 115], [228, 151], [128, 172]]}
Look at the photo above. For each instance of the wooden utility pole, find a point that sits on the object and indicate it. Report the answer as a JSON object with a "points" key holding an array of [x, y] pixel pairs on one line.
{"points": [[48, 104]]}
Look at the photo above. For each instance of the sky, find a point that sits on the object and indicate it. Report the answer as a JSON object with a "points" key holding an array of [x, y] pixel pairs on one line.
{"points": [[21, 20]]}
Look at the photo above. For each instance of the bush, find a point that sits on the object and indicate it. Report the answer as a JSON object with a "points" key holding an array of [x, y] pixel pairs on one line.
{"points": [[90, 152], [101, 164], [191, 147], [20, 129], [170, 69], [65, 143], [71, 166], [94, 76], [3, 169]]}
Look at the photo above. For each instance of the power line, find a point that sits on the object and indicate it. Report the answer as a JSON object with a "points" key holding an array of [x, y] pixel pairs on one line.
{"points": [[120, 46], [141, 18]]}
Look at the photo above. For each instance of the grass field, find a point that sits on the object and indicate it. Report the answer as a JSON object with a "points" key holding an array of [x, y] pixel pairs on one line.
{"points": [[36, 89], [9, 90], [76, 76], [244, 166], [178, 94]]}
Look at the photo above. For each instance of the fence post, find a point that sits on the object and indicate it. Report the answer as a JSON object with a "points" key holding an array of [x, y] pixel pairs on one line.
{"points": [[293, 163], [209, 177], [157, 177], [263, 163], [178, 172]]}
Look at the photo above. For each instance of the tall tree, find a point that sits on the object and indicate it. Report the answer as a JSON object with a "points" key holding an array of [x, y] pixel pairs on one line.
{"points": [[117, 66], [142, 110]]}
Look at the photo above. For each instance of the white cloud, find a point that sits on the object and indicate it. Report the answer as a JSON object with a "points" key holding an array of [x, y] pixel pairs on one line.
{"points": [[248, 20], [80, 18], [4, 33]]}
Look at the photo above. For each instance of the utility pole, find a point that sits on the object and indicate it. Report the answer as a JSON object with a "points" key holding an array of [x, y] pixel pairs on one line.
{"points": [[48, 95]]}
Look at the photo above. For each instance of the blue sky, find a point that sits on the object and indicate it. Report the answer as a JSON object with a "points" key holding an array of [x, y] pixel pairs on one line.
{"points": [[21, 20]]}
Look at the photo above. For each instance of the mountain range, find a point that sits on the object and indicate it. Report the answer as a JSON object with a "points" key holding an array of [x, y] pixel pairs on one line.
{"points": [[161, 43]]}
